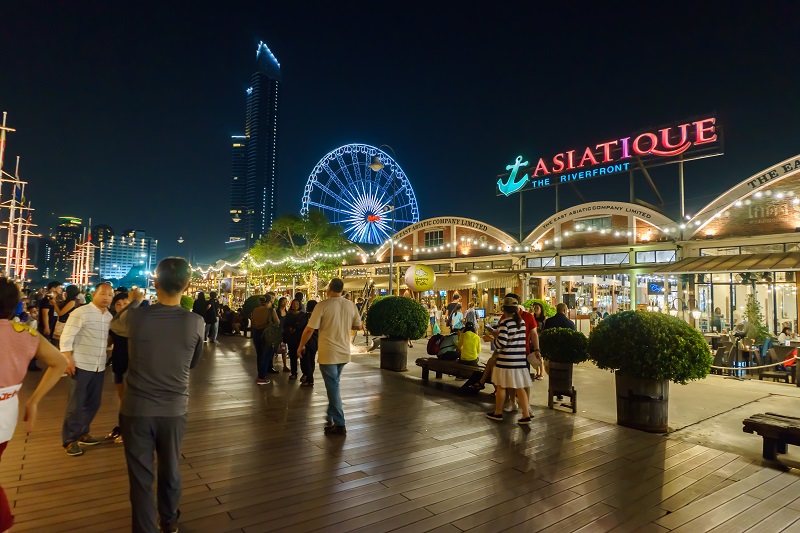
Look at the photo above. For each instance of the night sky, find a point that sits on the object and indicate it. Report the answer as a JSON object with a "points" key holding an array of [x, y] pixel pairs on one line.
{"points": [[124, 110]]}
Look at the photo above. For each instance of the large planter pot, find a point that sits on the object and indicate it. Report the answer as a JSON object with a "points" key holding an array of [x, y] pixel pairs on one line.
{"points": [[560, 383], [642, 403], [394, 354]]}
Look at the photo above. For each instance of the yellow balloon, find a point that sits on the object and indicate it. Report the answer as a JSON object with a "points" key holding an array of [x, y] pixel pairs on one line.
{"points": [[420, 278]]}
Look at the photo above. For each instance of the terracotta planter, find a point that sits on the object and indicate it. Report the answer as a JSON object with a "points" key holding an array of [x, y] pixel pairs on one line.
{"points": [[394, 354], [642, 403]]}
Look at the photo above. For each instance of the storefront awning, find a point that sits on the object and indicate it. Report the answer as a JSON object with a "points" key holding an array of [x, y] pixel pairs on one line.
{"points": [[785, 262]]}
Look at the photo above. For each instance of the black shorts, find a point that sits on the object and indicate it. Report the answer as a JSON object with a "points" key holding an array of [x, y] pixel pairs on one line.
{"points": [[119, 365]]}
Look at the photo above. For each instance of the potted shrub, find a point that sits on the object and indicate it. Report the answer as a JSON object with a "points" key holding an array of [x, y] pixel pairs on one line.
{"points": [[187, 302], [646, 351], [396, 319], [563, 347]]}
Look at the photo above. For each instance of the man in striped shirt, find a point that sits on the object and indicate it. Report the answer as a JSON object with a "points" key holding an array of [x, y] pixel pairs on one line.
{"points": [[83, 342]]}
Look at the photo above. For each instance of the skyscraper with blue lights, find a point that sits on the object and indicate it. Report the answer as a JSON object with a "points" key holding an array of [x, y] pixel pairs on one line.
{"points": [[257, 155]]}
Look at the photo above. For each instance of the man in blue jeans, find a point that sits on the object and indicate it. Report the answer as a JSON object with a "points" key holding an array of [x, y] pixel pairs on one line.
{"points": [[334, 318]]}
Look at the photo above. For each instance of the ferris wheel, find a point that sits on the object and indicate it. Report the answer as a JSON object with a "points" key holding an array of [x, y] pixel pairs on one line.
{"points": [[361, 188]]}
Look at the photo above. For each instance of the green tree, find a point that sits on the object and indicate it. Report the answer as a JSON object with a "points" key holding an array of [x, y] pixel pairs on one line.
{"points": [[301, 239], [752, 311]]}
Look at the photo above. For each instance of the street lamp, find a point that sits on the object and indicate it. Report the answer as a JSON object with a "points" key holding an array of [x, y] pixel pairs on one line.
{"points": [[180, 240]]}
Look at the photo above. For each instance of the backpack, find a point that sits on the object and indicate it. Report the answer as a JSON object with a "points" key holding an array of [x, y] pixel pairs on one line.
{"points": [[447, 347], [433, 344], [273, 335]]}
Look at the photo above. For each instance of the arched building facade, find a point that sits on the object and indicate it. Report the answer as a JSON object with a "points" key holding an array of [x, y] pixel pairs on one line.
{"points": [[617, 255]]}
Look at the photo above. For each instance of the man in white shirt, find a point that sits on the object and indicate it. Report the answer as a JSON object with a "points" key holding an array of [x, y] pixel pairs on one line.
{"points": [[83, 343], [334, 318]]}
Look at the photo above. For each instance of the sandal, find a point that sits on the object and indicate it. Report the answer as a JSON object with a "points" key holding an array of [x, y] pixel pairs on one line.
{"points": [[478, 385]]}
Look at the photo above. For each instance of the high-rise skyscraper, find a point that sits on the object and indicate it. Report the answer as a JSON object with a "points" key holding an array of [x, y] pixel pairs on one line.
{"points": [[237, 233], [261, 152], [69, 234]]}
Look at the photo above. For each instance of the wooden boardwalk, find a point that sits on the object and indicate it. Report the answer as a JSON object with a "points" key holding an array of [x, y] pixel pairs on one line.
{"points": [[415, 459]]}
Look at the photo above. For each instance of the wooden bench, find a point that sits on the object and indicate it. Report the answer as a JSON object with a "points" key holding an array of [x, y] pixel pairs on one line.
{"points": [[451, 368], [777, 431]]}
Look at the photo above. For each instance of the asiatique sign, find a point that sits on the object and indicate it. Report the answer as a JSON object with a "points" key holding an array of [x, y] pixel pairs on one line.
{"points": [[685, 141]]}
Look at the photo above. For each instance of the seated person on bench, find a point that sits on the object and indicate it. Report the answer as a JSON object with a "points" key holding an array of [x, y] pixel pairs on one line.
{"points": [[469, 345]]}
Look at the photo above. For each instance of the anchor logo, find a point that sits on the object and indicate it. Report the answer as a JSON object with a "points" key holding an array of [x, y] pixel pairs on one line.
{"points": [[512, 185]]}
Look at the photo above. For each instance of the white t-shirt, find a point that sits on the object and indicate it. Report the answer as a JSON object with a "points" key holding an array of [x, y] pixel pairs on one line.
{"points": [[334, 318]]}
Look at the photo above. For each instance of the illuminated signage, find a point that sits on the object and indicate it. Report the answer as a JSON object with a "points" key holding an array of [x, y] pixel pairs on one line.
{"points": [[683, 142]]}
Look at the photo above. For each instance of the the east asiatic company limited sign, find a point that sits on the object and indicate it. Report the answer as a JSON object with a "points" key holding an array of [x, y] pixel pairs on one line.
{"points": [[690, 140]]}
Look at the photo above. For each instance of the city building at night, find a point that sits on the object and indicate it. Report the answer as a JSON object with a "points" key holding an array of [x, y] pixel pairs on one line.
{"points": [[260, 147], [69, 234], [130, 252], [100, 233], [237, 233], [45, 257]]}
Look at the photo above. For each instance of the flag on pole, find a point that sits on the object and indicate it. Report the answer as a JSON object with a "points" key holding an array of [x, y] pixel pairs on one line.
{"points": [[18, 197]]}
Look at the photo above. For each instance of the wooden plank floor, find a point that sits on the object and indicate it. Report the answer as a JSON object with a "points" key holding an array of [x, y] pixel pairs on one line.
{"points": [[416, 458]]}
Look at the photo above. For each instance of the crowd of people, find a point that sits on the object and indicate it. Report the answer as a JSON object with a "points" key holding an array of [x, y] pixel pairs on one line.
{"points": [[152, 347]]}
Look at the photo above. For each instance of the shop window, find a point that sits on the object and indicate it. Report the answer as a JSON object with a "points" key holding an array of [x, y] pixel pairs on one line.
{"points": [[502, 264], [592, 224], [434, 238], [665, 256], [793, 247], [541, 262], [763, 249], [571, 260], [482, 265], [440, 268], [618, 259], [730, 250], [593, 259], [463, 266], [645, 257]]}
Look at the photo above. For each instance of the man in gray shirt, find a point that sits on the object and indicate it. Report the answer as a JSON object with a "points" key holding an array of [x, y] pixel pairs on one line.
{"points": [[164, 342]]}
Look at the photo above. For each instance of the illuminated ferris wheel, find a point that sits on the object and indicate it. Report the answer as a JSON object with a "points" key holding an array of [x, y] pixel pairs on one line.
{"points": [[360, 187]]}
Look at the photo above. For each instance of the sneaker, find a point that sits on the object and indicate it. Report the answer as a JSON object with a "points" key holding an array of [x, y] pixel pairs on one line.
{"points": [[525, 421], [307, 384], [114, 433], [73, 449], [303, 378], [272, 371], [335, 430], [169, 527], [293, 376], [260, 381], [493, 416], [510, 406], [172, 527], [88, 440]]}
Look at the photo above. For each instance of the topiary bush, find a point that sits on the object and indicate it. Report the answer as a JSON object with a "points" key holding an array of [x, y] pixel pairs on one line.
{"points": [[564, 345], [549, 310], [650, 345], [187, 302], [397, 317]]}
